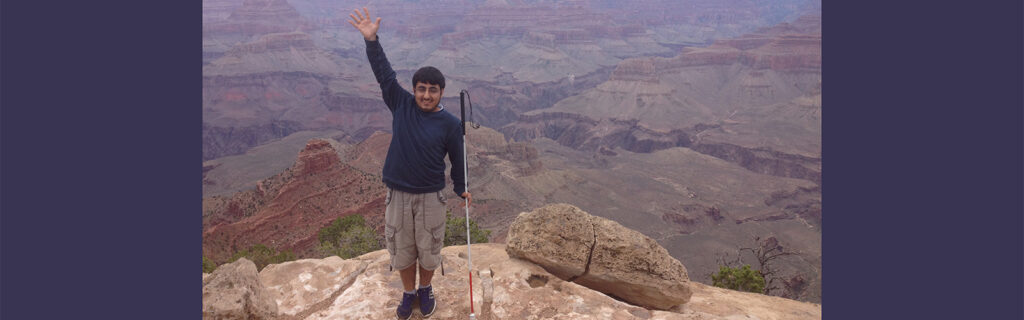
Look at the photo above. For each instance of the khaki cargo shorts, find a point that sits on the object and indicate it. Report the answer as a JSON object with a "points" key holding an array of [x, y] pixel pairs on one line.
{"points": [[414, 228]]}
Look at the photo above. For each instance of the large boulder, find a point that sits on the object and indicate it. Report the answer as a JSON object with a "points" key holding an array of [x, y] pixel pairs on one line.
{"points": [[557, 237], [234, 291], [600, 254]]}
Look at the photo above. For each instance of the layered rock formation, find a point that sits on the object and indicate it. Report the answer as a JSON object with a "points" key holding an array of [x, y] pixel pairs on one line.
{"points": [[228, 175], [696, 22], [275, 52], [752, 100], [281, 77], [538, 42], [587, 134], [253, 17], [345, 179], [286, 211], [229, 140], [706, 85], [227, 23], [218, 10], [266, 69], [284, 78], [262, 67]]}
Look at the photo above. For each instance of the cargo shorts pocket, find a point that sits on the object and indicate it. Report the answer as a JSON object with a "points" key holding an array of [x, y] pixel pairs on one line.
{"points": [[438, 236], [392, 215], [441, 198], [389, 239], [435, 222], [392, 223]]}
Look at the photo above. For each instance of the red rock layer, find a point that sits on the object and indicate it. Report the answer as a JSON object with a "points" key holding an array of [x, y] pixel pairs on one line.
{"points": [[286, 211]]}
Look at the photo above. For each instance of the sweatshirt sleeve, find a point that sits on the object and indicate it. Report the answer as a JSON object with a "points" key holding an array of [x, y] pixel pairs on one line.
{"points": [[455, 156], [390, 90]]}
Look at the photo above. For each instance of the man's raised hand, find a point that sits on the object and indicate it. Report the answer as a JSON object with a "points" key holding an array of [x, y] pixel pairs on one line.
{"points": [[364, 24]]}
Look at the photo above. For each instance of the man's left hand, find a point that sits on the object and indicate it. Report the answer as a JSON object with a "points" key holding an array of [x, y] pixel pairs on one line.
{"points": [[468, 197]]}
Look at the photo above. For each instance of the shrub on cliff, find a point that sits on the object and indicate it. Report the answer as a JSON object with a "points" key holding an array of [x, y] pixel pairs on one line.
{"points": [[262, 255], [768, 252], [208, 265], [455, 231], [347, 237], [741, 279]]}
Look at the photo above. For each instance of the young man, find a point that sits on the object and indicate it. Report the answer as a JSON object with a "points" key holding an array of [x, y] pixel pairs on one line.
{"points": [[414, 169]]}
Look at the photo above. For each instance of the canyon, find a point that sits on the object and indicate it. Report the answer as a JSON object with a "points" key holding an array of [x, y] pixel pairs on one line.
{"points": [[696, 123]]}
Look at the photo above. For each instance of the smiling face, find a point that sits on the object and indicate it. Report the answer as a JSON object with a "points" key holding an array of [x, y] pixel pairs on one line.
{"points": [[428, 96]]}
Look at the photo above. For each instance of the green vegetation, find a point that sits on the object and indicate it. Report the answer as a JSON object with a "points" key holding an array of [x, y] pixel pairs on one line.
{"points": [[742, 279], [262, 255], [208, 265], [347, 237], [455, 231]]}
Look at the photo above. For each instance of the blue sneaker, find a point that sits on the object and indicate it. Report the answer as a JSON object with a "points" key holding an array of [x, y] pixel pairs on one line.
{"points": [[404, 310], [427, 304]]}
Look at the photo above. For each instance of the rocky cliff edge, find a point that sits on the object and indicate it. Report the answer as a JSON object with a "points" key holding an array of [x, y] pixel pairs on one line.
{"points": [[504, 287]]}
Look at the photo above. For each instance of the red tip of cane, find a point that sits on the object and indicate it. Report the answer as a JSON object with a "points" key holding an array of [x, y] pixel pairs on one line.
{"points": [[471, 292]]}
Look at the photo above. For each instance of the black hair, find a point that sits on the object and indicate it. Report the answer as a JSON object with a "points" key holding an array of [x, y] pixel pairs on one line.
{"points": [[428, 75]]}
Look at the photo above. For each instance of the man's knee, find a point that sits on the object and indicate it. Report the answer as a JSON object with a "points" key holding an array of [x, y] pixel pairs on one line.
{"points": [[430, 262], [410, 268]]}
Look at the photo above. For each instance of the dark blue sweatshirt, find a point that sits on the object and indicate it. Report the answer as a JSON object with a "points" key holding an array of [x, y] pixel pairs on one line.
{"points": [[420, 140]]}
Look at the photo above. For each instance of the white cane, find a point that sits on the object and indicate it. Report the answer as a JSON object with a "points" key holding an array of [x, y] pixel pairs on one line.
{"points": [[465, 171]]}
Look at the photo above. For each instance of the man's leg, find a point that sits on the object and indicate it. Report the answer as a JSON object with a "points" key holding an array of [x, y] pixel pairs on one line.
{"points": [[430, 235], [401, 244], [425, 276], [425, 293], [429, 240], [409, 277]]}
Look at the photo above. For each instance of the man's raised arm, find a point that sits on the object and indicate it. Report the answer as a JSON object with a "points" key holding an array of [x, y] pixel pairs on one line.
{"points": [[391, 91]]}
